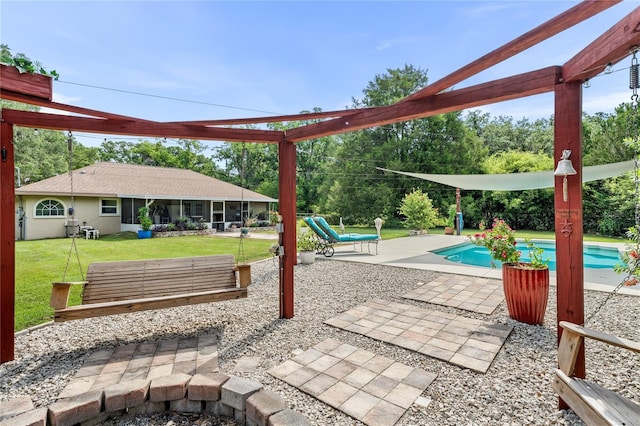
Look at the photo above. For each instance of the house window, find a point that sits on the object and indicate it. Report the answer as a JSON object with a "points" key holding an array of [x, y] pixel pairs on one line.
{"points": [[49, 208], [108, 207]]}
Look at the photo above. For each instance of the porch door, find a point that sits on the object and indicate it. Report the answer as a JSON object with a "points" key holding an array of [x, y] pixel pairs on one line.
{"points": [[217, 215]]}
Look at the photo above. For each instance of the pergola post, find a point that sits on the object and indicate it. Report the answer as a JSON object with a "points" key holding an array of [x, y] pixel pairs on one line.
{"points": [[287, 209], [7, 245], [568, 214]]}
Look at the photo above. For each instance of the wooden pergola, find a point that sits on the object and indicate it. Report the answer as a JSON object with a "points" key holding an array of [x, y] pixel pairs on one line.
{"points": [[565, 81]]}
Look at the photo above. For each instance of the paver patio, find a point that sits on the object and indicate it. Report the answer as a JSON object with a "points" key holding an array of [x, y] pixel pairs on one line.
{"points": [[192, 355], [466, 342], [476, 294], [368, 387]]}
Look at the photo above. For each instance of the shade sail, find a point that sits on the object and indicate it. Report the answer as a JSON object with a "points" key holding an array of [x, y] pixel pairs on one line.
{"points": [[519, 181]]}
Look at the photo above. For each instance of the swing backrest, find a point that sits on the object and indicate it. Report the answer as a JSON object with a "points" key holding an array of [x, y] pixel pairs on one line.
{"points": [[140, 279]]}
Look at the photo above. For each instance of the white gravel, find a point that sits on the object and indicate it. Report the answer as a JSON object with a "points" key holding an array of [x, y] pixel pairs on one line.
{"points": [[515, 391]]}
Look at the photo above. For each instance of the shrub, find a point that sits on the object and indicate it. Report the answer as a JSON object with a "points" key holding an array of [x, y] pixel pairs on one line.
{"points": [[418, 210]]}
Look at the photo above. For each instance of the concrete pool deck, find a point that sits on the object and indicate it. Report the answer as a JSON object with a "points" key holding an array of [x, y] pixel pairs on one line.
{"points": [[415, 252]]}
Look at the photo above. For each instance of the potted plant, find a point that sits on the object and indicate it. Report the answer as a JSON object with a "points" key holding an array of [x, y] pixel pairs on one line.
{"points": [[525, 284], [307, 246], [451, 220], [630, 259], [145, 223]]}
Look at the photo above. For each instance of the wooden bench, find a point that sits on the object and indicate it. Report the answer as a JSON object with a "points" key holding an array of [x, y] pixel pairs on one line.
{"points": [[594, 404], [120, 287]]}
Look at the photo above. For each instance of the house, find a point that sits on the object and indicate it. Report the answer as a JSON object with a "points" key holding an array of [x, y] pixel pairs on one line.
{"points": [[107, 196]]}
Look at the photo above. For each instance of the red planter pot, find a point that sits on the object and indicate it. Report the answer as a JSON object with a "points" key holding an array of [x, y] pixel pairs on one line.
{"points": [[526, 291]]}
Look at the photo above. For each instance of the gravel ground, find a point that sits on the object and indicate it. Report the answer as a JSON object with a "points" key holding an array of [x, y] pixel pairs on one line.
{"points": [[515, 391]]}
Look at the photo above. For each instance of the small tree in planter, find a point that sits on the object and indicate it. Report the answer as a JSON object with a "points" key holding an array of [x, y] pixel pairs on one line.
{"points": [[418, 209], [307, 246], [145, 222], [451, 220]]}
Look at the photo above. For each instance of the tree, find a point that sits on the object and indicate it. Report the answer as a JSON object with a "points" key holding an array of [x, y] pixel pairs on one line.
{"points": [[315, 164], [439, 144], [40, 154], [501, 134], [527, 209], [187, 154], [419, 212], [609, 204], [250, 165]]}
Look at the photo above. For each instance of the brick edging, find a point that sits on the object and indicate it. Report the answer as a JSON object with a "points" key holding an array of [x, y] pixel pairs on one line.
{"points": [[246, 401]]}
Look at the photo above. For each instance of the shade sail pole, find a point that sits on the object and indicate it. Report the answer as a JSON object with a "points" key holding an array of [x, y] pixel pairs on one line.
{"points": [[287, 209], [568, 214], [7, 244]]}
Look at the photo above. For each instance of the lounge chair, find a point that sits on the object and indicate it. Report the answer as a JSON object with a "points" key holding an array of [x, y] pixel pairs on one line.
{"points": [[324, 246], [334, 237]]}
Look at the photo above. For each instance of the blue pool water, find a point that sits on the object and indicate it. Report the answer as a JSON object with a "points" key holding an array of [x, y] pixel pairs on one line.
{"points": [[469, 254]]}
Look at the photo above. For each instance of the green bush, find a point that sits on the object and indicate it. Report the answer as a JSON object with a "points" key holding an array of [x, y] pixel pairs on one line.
{"points": [[418, 210]]}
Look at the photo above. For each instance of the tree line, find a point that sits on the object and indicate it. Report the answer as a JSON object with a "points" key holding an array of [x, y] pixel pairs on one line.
{"points": [[340, 176]]}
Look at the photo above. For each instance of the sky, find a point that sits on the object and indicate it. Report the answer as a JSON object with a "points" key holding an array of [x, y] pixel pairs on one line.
{"points": [[231, 59]]}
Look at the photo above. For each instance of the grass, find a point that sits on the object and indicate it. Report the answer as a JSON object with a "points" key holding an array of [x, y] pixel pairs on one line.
{"points": [[41, 262], [388, 234]]}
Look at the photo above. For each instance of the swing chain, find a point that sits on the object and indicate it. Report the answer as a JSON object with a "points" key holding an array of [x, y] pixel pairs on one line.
{"points": [[604, 302], [633, 233], [72, 212], [241, 258]]}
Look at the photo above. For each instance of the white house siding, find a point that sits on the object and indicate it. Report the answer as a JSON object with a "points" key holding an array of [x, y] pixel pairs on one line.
{"points": [[86, 210]]}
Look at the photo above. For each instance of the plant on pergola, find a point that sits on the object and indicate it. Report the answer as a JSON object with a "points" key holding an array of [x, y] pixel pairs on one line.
{"points": [[565, 81]]}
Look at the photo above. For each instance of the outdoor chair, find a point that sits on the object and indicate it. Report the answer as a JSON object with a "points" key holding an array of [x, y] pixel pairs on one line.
{"points": [[334, 237]]}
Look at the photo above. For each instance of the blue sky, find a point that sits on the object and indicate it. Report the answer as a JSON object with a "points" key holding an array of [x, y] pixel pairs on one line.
{"points": [[246, 59]]}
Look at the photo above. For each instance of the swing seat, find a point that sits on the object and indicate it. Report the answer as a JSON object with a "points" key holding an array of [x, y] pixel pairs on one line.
{"points": [[593, 403], [120, 287]]}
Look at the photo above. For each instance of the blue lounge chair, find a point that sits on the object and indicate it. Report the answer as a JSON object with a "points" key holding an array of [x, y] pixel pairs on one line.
{"points": [[325, 246], [334, 237]]}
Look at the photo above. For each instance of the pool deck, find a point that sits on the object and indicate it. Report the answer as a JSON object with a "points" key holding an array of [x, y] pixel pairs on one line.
{"points": [[415, 252]]}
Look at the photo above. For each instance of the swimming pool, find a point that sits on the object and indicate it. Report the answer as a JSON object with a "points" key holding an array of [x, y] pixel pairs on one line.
{"points": [[596, 257]]}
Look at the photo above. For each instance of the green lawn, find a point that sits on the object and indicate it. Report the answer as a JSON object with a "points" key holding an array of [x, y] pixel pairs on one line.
{"points": [[41, 262], [388, 234]]}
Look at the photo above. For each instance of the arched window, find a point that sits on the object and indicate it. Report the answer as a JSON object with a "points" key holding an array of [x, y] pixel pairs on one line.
{"points": [[49, 208]]}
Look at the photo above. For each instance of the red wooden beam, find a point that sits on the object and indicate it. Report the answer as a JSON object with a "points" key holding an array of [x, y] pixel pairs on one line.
{"points": [[32, 100], [36, 85], [568, 214], [7, 244], [609, 48], [556, 25], [137, 128], [287, 209], [518, 86], [273, 118]]}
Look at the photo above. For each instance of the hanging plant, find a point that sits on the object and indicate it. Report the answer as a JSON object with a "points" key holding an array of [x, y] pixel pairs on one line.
{"points": [[23, 63]]}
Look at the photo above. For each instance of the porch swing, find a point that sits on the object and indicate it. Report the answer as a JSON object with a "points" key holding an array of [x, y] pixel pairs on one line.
{"points": [[593, 403], [112, 288]]}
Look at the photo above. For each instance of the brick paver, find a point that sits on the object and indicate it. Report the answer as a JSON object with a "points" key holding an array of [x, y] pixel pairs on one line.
{"points": [[145, 361], [467, 342], [477, 294], [368, 387]]}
